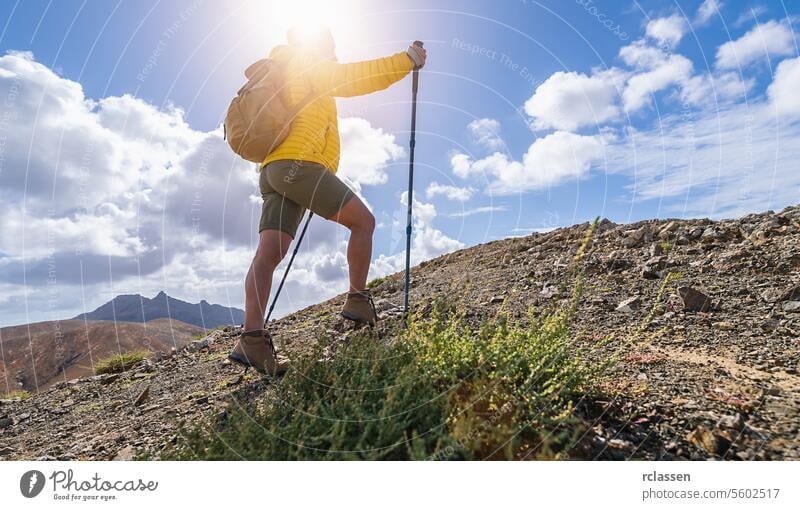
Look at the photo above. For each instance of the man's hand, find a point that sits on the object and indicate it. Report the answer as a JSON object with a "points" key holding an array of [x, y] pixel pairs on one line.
{"points": [[417, 54]]}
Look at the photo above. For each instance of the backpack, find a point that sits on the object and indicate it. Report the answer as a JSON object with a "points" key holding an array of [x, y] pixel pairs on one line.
{"points": [[258, 120]]}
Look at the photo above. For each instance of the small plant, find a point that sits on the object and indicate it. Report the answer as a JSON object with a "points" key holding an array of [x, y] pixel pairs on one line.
{"points": [[119, 362], [201, 336], [20, 394], [439, 390], [374, 283], [666, 246]]}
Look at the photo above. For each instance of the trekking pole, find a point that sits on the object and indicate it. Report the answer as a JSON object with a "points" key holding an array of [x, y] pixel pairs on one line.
{"points": [[286, 273], [411, 143]]}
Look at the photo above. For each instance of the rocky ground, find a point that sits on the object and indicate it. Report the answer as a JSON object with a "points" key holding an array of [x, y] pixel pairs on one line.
{"points": [[708, 368]]}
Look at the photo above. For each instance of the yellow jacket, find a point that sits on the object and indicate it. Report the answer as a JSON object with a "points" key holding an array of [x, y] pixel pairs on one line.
{"points": [[314, 134]]}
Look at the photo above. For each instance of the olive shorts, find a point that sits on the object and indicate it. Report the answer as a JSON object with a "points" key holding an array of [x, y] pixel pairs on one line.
{"points": [[290, 186]]}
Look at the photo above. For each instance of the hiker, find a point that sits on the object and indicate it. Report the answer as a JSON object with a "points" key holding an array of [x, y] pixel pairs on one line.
{"points": [[300, 173]]}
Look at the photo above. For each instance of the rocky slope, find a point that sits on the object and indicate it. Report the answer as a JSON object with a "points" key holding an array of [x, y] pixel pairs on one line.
{"points": [[708, 368], [36, 356]]}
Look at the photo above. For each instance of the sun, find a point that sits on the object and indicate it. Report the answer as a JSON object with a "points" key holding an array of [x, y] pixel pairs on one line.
{"points": [[343, 17]]}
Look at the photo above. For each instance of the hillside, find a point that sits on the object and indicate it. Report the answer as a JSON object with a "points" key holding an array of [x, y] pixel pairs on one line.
{"points": [[705, 369], [137, 308], [36, 356]]}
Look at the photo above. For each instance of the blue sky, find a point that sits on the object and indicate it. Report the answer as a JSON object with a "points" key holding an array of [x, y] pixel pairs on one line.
{"points": [[533, 115]]}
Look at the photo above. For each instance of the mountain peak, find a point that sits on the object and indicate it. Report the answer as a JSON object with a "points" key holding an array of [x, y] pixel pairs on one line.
{"points": [[136, 308]]}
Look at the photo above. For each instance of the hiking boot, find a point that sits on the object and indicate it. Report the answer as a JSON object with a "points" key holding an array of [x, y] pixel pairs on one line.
{"points": [[359, 307], [255, 349]]}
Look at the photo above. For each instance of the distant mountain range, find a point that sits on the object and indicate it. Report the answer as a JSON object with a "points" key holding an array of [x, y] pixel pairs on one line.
{"points": [[137, 308]]}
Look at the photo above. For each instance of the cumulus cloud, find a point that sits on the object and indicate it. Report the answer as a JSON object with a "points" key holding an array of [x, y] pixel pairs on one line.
{"points": [[570, 100], [706, 10], [657, 71], [782, 92], [427, 242], [667, 31], [366, 152], [707, 90], [486, 133], [460, 194], [770, 39], [549, 161]]}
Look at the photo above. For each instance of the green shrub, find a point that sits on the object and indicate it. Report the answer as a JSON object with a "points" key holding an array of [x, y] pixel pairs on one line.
{"points": [[119, 362], [374, 283], [438, 390], [366, 402], [20, 394]]}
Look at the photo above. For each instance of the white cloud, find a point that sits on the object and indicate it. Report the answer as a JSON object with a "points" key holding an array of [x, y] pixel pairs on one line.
{"points": [[707, 90], [461, 165], [366, 152], [783, 92], [427, 242], [570, 100], [770, 39], [706, 10], [549, 161], [658, 71], [724, 162], [667, 31], [557, 157], [478, 210], [451, 192], [749, 15], [486, 133]]}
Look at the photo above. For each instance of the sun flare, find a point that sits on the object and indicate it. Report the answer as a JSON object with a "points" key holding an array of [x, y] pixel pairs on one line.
{"points": [[342, 17]]}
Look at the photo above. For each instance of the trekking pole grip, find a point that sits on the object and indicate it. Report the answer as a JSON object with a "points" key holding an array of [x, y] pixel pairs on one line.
{"points": [[420, 44]]}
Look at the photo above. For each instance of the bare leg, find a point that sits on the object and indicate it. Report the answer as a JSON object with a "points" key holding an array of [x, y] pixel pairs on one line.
{"points": [[356, 217], [272, 247]]}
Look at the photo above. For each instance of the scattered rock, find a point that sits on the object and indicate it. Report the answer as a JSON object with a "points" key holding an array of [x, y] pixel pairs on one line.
{"points": [[791, 306], [770, 325], [714, 444], [620, 444], [630, 305], [723, 326], [636, 237], [108, 379], [5, 423], [778, 295], [694, 300], [735, 422], [383, 305], [124, 454], [548, 290], [142, 396]]}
